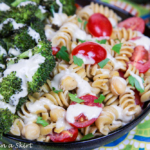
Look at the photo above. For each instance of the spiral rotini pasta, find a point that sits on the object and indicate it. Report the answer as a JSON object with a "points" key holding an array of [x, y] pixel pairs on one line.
{"points": [[122, 33]]}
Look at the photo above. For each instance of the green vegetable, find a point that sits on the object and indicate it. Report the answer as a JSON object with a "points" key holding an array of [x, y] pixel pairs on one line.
{"points": [[117, 48], [100, 99], [77, 61], [56, 91], [42, 122], [79, 20], [63, 54], [103, 62], [17, 2], [101, 41], [74, 98], [85, 23], [82, 41], [88, 136], [6, 121], [134, 82]]}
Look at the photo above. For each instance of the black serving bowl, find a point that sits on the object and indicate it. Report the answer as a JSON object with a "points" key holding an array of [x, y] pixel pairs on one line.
{"points": [[91, 143]]}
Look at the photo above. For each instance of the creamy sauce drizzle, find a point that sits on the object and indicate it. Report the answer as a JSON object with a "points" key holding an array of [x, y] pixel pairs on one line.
{"points": [[42, 8], [77, 109], [25, 69], [26, 3], [83, 86], [60, 6], [2, 51], [14, 51], [4, 7], [15, 25]]}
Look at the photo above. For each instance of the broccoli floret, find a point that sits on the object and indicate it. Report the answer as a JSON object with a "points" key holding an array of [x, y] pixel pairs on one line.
{"points": [[8, 2], [9, 86], [42, 74], [20, 41], [6, 121], [22, 100], [3, 55], [17, 2], [38, 26], [68, 6]]}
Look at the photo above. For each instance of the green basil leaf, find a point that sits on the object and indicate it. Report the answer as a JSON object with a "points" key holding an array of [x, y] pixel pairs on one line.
{"points": [[117, 48], [77, 61], [79, 20], [100, 99], [101, 41], [84, 26], [88, 136], [103, 62], [42, 122], [74, 98]]}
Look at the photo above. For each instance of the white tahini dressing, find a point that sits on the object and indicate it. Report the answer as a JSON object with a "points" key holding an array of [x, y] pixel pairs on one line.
{"points": [[86, 59], [117, 64], [26, 3], [83, 86], [2, 66], [122, 114], [35, 36], [5, 105], [2, 51], [59, 19], [144, 41], [14, 23], [60, 6], [49, 32], [4, 7], [113, 22], [42, 8], [77, 109], [25, 69], [139, 79], [14, 51]]}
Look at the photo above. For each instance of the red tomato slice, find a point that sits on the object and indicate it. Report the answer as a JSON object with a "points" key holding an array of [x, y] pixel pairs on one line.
{"points": [[81, 120], [137, 98], [55, 50], [140, 59], [89, 48], [134, 23], [65, 136], [77, 5], [98, 25]]}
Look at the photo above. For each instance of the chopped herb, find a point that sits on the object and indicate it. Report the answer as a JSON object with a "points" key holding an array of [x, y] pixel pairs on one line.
{"points": [[82, 41], [85, 23], [63, 54], [100, 99], [134, 82], [79, 20], [42, 122], [88, 136], [74, 98], [101, 41], [77, 61], [117, 48], [103, 62], [52, 10], [56, 91]]}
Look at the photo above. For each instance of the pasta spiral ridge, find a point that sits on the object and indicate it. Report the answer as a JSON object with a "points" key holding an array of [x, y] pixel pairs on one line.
{"points": [[122, 33]]}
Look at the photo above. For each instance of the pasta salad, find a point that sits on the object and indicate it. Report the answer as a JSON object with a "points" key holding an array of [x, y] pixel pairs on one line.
{"points": [[100, 80]]}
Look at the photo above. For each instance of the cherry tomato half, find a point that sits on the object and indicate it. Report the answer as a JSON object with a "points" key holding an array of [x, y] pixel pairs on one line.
{"points": [[140, 59], [55, 50], [134, 23], [98, 25], [81, 120], [65, 136], [90, 50]]}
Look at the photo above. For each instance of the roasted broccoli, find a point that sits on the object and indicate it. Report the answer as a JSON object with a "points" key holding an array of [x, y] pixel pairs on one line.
{"points": [[8, 2], [68, 6], [3, 54], [17, 2], [6, 120]]}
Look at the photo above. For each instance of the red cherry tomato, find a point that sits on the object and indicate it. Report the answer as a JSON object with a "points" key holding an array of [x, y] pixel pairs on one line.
{"points": [[98, 25], [121, 74], [140, 59], [81, 120], [65, 136], [89, 48], [137, 98], [134, 23], [77, 5], [55, 50]]}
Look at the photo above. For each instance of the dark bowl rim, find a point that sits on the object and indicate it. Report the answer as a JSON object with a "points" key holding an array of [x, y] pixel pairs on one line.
{"points": [[145, 111]]}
